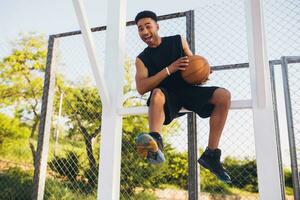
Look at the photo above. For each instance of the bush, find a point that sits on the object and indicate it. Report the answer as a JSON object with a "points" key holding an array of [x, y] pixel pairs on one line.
{"points": [[12, 128], [210, 183], [135, 172], [177, 172], [55, 189], [68, 167], [288, 178], [15, 184], [243, 173]]}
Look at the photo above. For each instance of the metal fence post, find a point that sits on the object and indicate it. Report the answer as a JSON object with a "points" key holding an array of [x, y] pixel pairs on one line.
{"points": [[291, 134], [277, 132], [192, 126], [45, 123]]}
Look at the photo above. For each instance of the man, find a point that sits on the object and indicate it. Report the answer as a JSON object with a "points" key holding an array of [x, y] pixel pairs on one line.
{"points": [[158, 70]]}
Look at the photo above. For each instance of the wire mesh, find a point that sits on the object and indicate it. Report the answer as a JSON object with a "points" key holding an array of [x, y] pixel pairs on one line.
{"points": [[19, 107], [294, 78], [220, 36], [282, 34], [74, 150], [282, 28], [138, 179]]}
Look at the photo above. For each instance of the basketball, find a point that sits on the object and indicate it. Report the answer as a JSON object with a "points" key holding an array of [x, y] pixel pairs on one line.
{"points": [[197, 71]]}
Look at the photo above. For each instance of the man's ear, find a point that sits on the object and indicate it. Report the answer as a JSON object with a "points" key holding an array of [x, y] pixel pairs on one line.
{"points": [[157, 26]]}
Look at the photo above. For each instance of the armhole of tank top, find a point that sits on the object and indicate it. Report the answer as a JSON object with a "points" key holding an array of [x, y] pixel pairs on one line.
{"points": [[180, 43]]}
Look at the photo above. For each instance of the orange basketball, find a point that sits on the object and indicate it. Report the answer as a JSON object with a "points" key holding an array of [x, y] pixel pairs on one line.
{"points": [[197, 71]]}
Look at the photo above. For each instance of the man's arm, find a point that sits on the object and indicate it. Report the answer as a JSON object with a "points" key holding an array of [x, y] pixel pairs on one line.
{"points": [[143, 82], [185, 46]]}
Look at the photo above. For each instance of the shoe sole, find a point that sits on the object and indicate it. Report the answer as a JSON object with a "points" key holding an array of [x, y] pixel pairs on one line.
{"points": [[206, 166], [144, 144]]}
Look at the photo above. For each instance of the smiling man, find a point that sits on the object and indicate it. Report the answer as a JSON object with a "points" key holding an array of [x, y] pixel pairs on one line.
{"points": [[158, 71]]}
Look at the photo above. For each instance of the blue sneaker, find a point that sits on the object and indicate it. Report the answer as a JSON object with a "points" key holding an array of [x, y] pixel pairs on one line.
{"points": [[150, 146], [210, 160]]}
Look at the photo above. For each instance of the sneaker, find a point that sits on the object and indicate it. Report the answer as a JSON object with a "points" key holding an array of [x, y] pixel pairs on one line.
{"points": [[150, 146], [210, 160]]}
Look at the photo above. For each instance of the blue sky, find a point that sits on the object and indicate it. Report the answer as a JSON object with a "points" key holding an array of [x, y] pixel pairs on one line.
{"points": [[55, 16]]}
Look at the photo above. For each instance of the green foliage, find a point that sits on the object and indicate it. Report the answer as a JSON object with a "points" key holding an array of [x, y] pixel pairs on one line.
{"points": [[244, 173], [135, 172], [16, 150], [288, 181], [83, 108], [21, 80], [13, 139], [128, 76], [68, 167], [289, 190], [85, 101], [22, 72], [177, 172], [288, 177], [15, 184], [57, 189], [210, 183], [12, 128]]}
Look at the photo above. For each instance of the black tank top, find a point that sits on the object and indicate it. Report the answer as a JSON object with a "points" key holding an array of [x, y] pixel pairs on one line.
{"points": [[156, 59]]}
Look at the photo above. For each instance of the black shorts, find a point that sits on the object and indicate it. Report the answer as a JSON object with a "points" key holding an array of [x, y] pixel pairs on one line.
{"points": [[193, 98]]}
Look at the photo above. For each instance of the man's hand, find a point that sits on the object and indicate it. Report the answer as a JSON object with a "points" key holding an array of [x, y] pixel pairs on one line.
{"points": [[179, 64]]}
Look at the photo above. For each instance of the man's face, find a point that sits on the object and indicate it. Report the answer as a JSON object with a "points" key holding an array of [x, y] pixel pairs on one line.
{"points": [[147, 29]]}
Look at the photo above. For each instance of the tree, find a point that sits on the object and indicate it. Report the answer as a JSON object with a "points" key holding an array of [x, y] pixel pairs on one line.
{"points": [[83, 108], [21, 80]]}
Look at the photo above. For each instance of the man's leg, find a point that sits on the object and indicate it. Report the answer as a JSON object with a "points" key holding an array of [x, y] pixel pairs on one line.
{"points": [[151, 145], [156, 115], [221, 100], [210, 159]]}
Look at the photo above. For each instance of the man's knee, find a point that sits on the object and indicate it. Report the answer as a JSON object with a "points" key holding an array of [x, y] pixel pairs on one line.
{"points": [[157, 97], [222, 97]]}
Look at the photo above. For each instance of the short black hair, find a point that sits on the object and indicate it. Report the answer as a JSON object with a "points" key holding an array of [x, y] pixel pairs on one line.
{"points": [[145, 14]]}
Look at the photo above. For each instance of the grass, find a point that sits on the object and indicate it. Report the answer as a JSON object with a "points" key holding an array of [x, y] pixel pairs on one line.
{"points": [[15, 184], [18, 184], [237, 191], [18, 150]]}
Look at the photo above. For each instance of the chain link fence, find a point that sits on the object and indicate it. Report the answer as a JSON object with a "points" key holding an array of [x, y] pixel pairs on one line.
{"points": [[292, 77], [19, 108], [283, 39], [220, 36]]}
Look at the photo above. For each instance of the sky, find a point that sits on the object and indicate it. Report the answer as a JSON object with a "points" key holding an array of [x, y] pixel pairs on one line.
{"points": [[57, 16]]}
